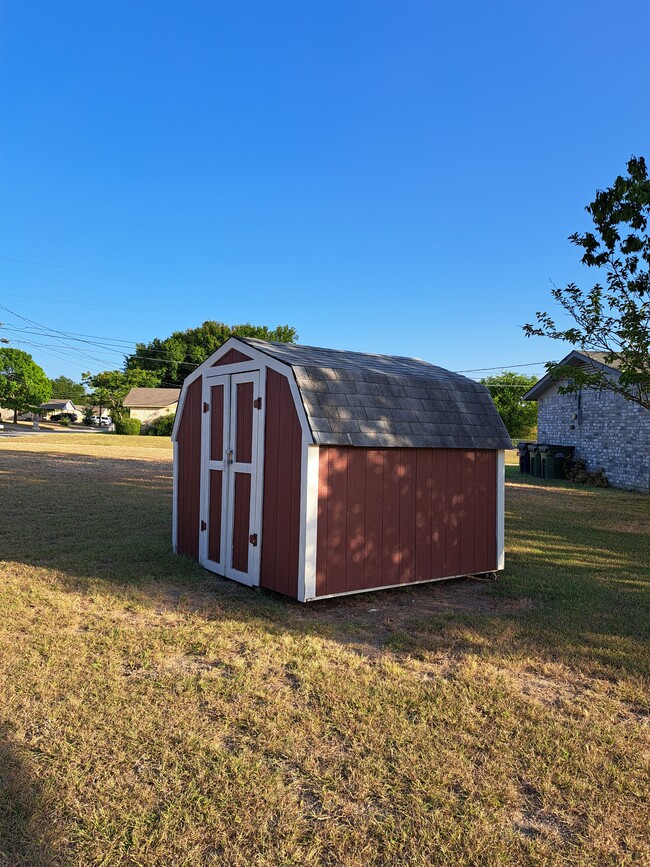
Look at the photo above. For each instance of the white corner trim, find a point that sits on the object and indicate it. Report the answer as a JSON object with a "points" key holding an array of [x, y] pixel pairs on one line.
{"points": [[501, 516], [309, 497], [175, 499]]}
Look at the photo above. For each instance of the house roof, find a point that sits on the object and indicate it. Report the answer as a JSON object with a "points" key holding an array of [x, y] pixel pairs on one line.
{"points": [[352, 398], [57, 403], [576, 358], [156, 398]]}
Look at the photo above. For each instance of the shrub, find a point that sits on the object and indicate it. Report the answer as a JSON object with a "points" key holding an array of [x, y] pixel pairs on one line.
{"points": [[161, 426], [127, 426], [88, 415], [64, 422], [579, 473]]}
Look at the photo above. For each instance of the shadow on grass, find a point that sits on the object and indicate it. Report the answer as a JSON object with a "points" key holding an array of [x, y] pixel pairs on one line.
{"points": [[24, 840], [576, 587]]}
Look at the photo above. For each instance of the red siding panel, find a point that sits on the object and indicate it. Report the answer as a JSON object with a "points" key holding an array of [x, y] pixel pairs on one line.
{"points": [[322, 535], [467, 503], [233, 356], [337, 520], [492, 513], [241, 521], [188, 503], [454, 512], [244, 433], [407, 478], [214, 518], [355, 520], [439, 513], [216, 423], [423, 520], [391, 516], [281, 498], [373, 524]]}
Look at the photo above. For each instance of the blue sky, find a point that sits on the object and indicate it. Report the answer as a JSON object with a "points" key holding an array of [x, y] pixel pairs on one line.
{"points": [[386, 177]]}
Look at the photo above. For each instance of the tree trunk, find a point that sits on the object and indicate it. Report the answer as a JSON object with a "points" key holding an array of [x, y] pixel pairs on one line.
{"points": [[15, 416]]}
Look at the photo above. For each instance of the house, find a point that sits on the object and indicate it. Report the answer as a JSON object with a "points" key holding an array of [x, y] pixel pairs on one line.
{"points": [[316, 473], [58, 406], [605, 429], [148, 404]]}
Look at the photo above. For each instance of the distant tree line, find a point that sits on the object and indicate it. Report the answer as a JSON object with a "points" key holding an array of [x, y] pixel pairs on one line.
{"points": [[164, 362]]}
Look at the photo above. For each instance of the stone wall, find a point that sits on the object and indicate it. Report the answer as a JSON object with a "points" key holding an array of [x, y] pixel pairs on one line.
{"points": [[147, 414], [606, 430]]}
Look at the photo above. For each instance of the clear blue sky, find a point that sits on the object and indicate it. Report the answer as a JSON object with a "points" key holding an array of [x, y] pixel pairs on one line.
{"points": [[395, 177]]}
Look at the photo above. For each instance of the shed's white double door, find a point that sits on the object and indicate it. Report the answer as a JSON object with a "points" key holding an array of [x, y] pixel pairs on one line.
{"points": [[230, 495]]}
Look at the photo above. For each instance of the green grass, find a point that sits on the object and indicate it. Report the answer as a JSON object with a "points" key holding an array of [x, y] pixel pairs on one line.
{"points": [[151, 713]]}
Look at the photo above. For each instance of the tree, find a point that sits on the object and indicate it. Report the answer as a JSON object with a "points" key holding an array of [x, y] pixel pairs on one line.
{"points": [[110, 387], [23, 384], [507, 388], [614, 318], [174, 357], [65, 388]]}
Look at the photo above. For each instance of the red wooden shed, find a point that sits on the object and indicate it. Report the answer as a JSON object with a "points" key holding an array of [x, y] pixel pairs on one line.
{"points": [[315, 472]]}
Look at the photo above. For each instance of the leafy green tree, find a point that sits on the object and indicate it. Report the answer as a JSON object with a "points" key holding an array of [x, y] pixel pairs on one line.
{"points": [[65, 388], [110, 387], [174, 357], [507, 388], [23, 384], [613, 318]]}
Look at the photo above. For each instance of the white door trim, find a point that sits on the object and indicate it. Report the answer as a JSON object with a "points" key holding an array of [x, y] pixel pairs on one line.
{"points": [[206, 465], [229, 468]]}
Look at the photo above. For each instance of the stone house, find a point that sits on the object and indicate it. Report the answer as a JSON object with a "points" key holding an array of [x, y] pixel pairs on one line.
{"points": [[605, 429], [148, 404]]}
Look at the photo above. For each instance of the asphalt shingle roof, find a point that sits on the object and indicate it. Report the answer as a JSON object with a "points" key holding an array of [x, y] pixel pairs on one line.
{"points": [[156, 398], [352, 398]]}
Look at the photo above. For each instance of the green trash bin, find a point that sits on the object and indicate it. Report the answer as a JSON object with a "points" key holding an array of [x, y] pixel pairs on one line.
{"points": [[553, 463], [535, 461], [558, 456], [544, 455], [524, 458]]}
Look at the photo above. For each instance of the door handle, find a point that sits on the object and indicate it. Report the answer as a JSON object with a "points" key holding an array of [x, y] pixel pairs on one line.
{"points": [[229, 458]]}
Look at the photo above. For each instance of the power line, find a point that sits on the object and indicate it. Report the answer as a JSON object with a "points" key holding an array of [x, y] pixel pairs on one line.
{"points": [[501, 367], [46, 331]]}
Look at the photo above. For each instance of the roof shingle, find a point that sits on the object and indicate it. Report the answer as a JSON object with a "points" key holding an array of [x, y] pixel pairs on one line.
{"points": [[352, 398]]}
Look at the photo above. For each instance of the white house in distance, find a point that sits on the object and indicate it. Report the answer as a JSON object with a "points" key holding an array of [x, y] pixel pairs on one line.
{"points": [[56, 406], [147, 404]]}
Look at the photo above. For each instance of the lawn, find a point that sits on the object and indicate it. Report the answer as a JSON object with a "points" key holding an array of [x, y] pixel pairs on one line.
{"points": [[154, 714]]}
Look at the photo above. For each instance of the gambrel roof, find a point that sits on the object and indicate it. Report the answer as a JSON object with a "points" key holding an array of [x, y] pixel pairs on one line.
{"points": [[352, 398]]}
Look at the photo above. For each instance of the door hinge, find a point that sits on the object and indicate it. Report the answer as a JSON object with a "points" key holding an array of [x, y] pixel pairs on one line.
{"points": [[204, 526], [253, 539], [257, 403], [206, 406]]}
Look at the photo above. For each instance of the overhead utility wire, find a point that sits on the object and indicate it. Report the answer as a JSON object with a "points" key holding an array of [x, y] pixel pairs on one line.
{"points": [[46, 331]]}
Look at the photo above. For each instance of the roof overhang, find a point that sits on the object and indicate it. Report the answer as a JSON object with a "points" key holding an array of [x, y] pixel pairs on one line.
{"points": [[573, 359]]}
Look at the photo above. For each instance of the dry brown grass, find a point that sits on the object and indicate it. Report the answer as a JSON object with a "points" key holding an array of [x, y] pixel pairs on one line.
{"points": [[154, 714]]}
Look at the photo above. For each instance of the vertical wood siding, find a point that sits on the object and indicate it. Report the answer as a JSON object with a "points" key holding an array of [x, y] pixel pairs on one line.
{"points": [[233, 356], [244, 432], [189, 472], [216, 423], [241, 521], [281, 501], [394, 516], [214, 517]]}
